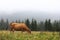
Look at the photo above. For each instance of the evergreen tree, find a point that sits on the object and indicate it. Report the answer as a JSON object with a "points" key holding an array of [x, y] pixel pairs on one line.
{"points": [[46, 25], [49, 25], [2, 24], [16, 21], [28, 23], [34, 25], [7, 24], [38, 26], [57, 27], [42, 28], [54, 25]]}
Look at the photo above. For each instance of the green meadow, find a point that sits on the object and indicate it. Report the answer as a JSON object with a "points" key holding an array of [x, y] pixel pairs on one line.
{"points": [[35, 35]]}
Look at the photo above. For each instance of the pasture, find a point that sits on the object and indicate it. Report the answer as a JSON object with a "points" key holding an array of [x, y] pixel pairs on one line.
{"points": [[35, 35]]}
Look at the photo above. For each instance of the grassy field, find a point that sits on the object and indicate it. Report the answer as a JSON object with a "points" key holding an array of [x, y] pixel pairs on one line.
{"points": [[17, 35]]}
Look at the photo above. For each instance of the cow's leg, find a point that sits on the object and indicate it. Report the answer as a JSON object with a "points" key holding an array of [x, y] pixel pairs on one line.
{"points": [[10, 29], [22, 30], [13, 30]]}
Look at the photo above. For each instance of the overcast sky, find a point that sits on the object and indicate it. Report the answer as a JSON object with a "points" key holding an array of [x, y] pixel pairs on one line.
{"points": [[30, 5], [51, 7]]}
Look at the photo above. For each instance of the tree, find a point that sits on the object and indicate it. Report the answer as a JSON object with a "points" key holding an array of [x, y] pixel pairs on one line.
{"points": [[54, 25], [7, 24], [42, 28], [2, 24], [57, 27], [46, 25], [34, 25], [28, 23], [16, 21], [49, 25]]}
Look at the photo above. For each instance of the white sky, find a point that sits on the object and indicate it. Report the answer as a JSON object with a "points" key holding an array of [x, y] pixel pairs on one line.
{"points": [[52, 6], [39, 9]]}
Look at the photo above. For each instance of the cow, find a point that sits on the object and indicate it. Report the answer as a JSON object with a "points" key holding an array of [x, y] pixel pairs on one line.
{"points": [[19, 27]]}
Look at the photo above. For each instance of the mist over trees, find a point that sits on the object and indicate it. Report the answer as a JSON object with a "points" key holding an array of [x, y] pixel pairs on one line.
{"points": [[47, 25]]}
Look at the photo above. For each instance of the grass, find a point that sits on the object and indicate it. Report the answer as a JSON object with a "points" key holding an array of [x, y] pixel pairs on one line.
{"points": [[17, 35]]}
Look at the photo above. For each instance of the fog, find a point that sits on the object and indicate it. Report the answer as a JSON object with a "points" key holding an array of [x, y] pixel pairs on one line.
{"points": [[23, 9]]}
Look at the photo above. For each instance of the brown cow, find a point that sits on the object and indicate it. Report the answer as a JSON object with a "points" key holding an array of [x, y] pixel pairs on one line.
{"points": [[19, 27]]}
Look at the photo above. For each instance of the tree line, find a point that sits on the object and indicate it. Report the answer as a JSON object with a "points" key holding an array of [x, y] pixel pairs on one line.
{"points": [[47, 25]]}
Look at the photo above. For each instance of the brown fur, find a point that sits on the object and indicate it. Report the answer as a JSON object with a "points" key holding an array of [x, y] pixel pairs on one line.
{"points": [[19, 27]]}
